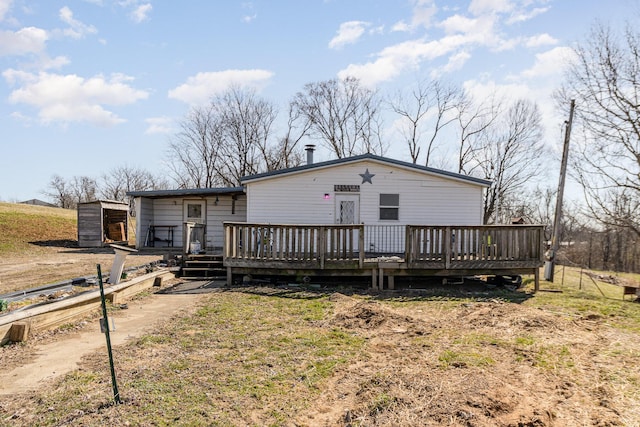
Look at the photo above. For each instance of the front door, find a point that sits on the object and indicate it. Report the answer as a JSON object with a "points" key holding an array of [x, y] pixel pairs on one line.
{"points": [[347, 208], [347, 212]]}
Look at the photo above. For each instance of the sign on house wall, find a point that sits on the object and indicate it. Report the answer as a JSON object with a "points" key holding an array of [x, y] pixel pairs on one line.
{"points": [[342, 188]]}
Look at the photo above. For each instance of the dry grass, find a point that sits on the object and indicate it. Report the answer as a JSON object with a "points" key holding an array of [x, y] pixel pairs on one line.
{"points": [[27, 229], [279, 357]]}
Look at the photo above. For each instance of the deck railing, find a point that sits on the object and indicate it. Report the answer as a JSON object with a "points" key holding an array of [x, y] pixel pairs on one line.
{"points": [[474, 246], [347, 246], [384, 239], [309, 245]]}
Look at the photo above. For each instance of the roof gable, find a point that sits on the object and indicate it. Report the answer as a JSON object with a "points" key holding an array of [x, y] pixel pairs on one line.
{"points": [[364, 157]]}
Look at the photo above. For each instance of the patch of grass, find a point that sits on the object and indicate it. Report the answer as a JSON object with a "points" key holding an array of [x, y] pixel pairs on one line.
{"points": [[21, 224], [524, 341], [461, 359], [241, 359], [553, 357], [579, 296]]}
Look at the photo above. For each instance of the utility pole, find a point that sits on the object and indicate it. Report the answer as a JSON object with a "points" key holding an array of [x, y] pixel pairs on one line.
{"points": [[550, 255]]}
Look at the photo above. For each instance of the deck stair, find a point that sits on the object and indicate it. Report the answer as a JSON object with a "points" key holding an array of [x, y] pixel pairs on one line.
{"points": [[199, 267]]}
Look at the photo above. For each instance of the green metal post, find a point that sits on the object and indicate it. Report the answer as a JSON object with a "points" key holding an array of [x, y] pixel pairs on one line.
{"points": [[116, 393]]}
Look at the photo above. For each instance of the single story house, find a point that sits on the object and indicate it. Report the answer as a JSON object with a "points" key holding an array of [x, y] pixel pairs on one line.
{"points": [[382, 193]]}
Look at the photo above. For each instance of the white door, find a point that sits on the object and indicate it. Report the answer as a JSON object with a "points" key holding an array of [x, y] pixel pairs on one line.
{"points": [[347, 208], [348, 212]]}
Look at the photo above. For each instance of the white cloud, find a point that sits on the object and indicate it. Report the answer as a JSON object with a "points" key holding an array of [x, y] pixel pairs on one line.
{"points": [[5, 5], [422, 15], [480, 27], [395, 59], [70, 98], [77, 29], [490, 89], [456, 62], [525, 15], [249, 18], [480, 7], [24, 41], [348, 33], [141, 12], [551, 62], [56, 63], [540, 40], [159, 125], [200, 88]]}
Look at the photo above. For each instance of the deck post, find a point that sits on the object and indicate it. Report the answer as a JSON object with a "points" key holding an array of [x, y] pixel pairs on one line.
{"points": [[447, 247], [381, 277], [408, 242], [229, 277], [374, 277], [322, 245], [536, 284], [361, 246]]}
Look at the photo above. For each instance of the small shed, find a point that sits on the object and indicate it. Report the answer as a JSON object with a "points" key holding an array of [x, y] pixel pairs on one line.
{"points": [[102, 222]]}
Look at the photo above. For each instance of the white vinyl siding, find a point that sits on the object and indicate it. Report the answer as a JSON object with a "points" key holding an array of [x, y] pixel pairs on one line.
{"points": [[170, 211], [425, 198]]}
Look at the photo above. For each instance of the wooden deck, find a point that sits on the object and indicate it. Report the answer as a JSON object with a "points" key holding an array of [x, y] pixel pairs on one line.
{"points": [[329, 250]]}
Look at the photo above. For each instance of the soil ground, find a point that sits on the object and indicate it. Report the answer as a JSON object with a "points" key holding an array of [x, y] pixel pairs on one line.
{"points": [[55, 263], [537, 367]]}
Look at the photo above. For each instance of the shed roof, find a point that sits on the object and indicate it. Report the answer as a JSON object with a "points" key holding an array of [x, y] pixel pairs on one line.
{"points": [[186, 192], [104, 202], [370, 157]]}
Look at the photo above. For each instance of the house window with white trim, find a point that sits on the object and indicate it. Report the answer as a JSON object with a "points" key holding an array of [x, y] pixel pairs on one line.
{"points": [[389, 207]]}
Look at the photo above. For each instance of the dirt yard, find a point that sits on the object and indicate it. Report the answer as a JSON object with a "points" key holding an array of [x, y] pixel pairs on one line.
{"points": [[53, 264], [478, 361]]}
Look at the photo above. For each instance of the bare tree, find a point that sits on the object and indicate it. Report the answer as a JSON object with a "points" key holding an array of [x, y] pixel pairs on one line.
{"points": [[604, 80], [286, 153], [59, 192], [429, 105], [343, 115], [246, 125], [193, 152], [474, 123], [115, 184], [510, 156], [84, 189], [224, 141], [68, 193]]}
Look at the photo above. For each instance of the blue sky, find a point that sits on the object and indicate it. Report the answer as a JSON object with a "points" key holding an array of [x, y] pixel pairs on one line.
{"points": [[86, 86]]}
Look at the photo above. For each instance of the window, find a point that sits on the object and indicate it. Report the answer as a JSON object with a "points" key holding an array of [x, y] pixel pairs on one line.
{"points": [[194, 211], [389, 207]]}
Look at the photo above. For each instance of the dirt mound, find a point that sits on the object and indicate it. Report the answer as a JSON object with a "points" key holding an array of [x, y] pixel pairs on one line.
{"points": [[502, 315], [367, 315]]}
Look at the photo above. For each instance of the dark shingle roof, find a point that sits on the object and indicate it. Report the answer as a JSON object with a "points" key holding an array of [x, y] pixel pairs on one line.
{"points": [[372, 157]]}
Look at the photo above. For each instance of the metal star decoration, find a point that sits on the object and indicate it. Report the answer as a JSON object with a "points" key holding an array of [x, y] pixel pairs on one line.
{"points": [[366, 176]]}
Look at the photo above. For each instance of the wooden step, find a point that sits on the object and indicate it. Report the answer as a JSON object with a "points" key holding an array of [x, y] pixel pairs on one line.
{"points": [[203, 266]]}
